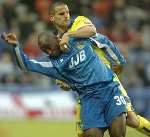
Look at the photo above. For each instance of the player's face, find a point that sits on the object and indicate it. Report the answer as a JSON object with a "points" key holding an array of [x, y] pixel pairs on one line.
{"points": [[61, 16]]}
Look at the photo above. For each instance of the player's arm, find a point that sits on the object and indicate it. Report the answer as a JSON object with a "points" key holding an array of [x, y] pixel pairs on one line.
{"points": [[83, 32], [63, 85], [112, 53], [43, 66], [118, 60], [82, 27]]}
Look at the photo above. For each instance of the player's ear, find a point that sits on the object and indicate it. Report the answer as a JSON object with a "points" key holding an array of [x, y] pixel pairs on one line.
{"points": [[51, 18]]}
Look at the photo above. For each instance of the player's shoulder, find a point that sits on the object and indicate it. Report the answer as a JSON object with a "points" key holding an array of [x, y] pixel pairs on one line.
{"points": [[78, 19], [102, 38], [78, 22], [81, 18]]}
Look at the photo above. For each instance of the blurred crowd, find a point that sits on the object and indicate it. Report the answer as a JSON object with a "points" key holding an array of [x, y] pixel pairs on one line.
{"points": [[125, 22]]}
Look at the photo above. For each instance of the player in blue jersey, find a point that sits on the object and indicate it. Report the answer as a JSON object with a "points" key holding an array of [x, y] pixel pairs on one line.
{"points": [[83, 27], [103, 106]]}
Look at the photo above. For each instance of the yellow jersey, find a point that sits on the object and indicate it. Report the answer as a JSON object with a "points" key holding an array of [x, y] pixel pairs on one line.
{"points": [[80, 22]]}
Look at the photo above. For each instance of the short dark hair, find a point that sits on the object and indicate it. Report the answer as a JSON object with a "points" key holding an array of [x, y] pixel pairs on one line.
{"points": [[46, 37], [53, 6]]}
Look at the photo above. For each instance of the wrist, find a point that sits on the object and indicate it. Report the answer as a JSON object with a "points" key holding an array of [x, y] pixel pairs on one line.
{"points": [[16, 44]]}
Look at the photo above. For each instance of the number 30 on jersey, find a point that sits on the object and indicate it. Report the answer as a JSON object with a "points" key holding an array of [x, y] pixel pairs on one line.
{"points": [[119, 100]]}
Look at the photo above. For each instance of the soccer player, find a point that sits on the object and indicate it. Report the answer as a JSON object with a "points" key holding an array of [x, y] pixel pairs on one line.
{"points": [[82, 27], [64, 26], [103, 106]]}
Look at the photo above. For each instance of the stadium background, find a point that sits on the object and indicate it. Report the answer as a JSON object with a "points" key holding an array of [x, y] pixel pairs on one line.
{"points": [[32, 105]]}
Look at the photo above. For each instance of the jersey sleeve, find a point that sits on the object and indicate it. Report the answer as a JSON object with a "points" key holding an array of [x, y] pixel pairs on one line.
{"points": [[110, 49], [42, 66], [101, 54], [80, 22]]}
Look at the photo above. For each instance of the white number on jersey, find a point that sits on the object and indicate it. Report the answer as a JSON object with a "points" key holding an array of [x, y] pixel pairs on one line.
{"points": [[120, 100]]}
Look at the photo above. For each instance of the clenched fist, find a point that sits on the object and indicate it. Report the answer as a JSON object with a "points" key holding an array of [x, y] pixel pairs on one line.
{"points": [[10, 38]]}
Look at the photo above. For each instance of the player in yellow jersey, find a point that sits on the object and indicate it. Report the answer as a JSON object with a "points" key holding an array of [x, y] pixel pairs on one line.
{"points": [[82, 27]]}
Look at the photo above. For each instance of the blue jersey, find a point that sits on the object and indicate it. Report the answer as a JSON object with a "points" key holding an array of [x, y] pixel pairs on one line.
{"points": [[80, 67], [110, 49]]}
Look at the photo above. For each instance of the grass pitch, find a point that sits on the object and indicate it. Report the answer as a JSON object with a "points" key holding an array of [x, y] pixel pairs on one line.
{"points": [[38, 128]]}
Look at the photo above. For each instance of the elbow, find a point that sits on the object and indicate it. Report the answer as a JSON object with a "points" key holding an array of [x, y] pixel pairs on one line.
{"points": [[90, 30], [93, 30]]}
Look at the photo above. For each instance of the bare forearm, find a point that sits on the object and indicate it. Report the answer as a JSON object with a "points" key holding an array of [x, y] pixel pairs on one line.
{"points": [[83, 32]]}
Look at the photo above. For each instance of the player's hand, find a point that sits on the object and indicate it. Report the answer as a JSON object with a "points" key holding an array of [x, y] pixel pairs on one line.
{"points": [[10, 38], [117, 68], [63, 85], [64, 42]]}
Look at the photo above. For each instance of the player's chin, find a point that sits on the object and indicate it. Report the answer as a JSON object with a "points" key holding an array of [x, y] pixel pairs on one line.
{"points": [[64, 24]]}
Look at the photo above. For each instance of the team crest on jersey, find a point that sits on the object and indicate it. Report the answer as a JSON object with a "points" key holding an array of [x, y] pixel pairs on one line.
{"points": [[80, 46]]}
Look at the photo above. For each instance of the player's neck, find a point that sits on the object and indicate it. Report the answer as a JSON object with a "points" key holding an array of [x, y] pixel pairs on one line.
{"points": [[61, 29]]}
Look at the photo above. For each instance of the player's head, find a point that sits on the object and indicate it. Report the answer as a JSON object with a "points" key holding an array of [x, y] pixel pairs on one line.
{"points": [[49, 43], [59, 14]]}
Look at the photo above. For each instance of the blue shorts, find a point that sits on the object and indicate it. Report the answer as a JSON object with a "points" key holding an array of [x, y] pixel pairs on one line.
{"points": [[101, 106]]}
